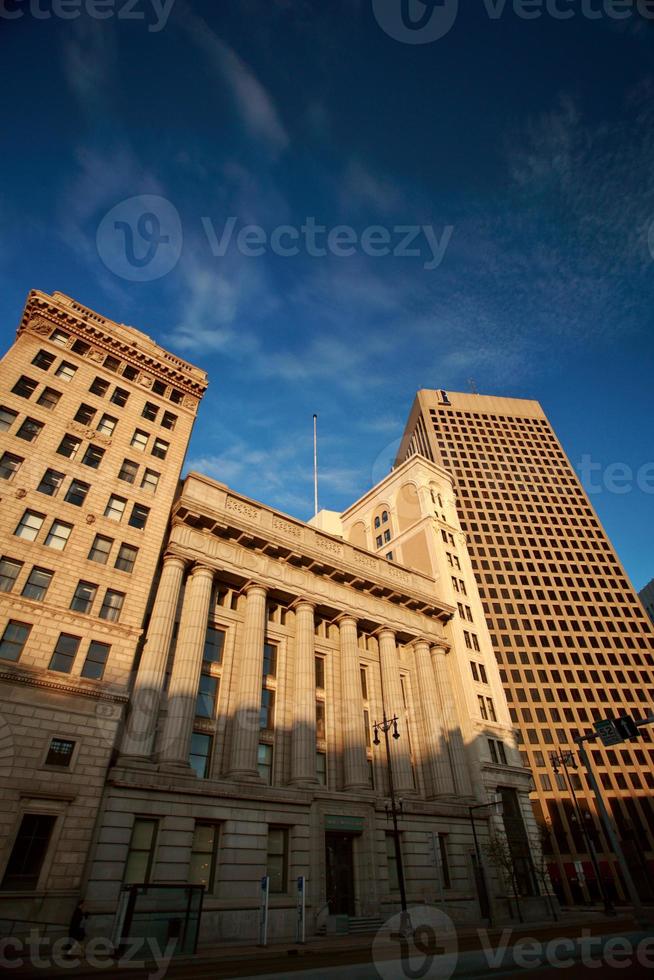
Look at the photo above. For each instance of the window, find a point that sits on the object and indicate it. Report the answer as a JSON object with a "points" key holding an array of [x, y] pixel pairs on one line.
{"points": [[202, 866], [29, 526], [37, 584], [93, 456], [150, 480], [83, 597], [391, 863], [9, 465], [69, 446], [277, 860], [160, 448], [65, 371], [320, 672], [64, 653], [321, 767], [115, 508], [265, 762], [482, 707], [158, 387], [200, 754], [85, 414], [497, 752], [100, 549], [99, 387], [43, 359], [48, 398], [128, 471], [50, 482], [119, 397], [130, 372], [387, 536], [111, 363], [29, 851], [76, 493], [80, 347], [7, 418], [140, 856], [139, 516], [126, 558], [269, 660], [363, 673], [60, 753], [176, 396], [491, 709], [58, 535], [59, 337], [29, 430], [150, 411], [168, 421], [107, 424], [379, 541], [213, 645], [96, 660], [14, 639], [444, 860], [112, 605], [9, 571], [320, 719], [267, 713], [205, 705], [25, 387], [140, 439]]}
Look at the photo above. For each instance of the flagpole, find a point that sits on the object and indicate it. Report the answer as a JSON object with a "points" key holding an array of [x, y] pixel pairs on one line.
{"points": [[315, 464]]}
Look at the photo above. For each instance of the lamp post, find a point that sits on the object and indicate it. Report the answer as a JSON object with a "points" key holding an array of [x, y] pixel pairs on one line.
{"points": [[482, 887], [385, 726], [564, 759]]}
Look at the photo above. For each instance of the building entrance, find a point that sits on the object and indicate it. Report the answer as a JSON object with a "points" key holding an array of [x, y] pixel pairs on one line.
{"points": [[339, 856]]}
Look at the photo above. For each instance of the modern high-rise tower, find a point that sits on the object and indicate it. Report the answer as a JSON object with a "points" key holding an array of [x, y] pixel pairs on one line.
{"points": [[571, 638]]}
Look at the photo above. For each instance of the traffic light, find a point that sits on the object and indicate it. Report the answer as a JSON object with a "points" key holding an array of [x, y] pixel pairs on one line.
{"points": [[626, 727]]}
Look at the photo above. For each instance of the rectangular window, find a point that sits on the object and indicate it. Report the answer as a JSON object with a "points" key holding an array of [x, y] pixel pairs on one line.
{"points": [[482, 674], [140, 856], [320, 673], [29, 525], [176, 396], [213, 645], [7, 418], [66, 371], [69, 447], [93, 456], [202, 866], [99, 387], [60, 753], [200, 754], [128, 471], [168, 421], [107, 424], [126, 558], [119, 397], [28, 853], [321, 767], [76, 493], [277, 859], [9, 465], [267, 713], [37, 584], [205, 705], [83, 597], [320, 719], [160, 448], [130, 372], [85, 414], [363, 674], [9, 572], [391, 863], [100, 549], [111, 363], [48, 398], [158, 387], [43, 359], [140, 440], [115, 508], [50, 482], [265, 762], [14, 639], [482, 707], [64, 653], [150, 480], [139, 516], [366, 727], [269, 660], [491, 709], [444, 860], [25, 387], [150, 411], [58, 535], [81, 348], [59, 337], [112, 605], [29, 430], [475, 670], [96, 660]]}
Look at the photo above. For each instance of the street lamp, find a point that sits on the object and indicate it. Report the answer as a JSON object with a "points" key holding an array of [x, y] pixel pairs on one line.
{"points": [[482, 887], [385, 726]]}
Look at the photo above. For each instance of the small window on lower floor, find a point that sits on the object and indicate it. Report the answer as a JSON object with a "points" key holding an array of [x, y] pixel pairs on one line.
{"points": [[202, 866], [265, 762], [277, 861], [28, 853], [444, 860], [140, 856], [321, 767], [60, 753], [200, 754]]}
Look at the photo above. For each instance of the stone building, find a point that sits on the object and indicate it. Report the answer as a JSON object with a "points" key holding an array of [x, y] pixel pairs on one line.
{"points": [[646, 596], [95, 419]]}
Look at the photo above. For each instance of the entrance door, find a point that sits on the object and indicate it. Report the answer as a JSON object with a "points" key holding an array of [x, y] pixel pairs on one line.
{"points": [[340, 873]]}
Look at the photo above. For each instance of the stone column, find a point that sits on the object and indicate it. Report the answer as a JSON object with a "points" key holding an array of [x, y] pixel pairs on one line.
{"points": [[141, 725], [394, 705], [355, 762], [303, 735], [438, 765], [451, 722], [245, 724], [187, 666]]}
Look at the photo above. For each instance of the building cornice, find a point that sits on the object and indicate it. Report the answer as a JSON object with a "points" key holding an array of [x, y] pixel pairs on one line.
{"points": [[36, 677]]}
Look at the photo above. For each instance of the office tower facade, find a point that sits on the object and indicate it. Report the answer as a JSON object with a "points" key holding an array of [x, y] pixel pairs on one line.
{"points": [[570, 637], [646, 596], [95, 419]]}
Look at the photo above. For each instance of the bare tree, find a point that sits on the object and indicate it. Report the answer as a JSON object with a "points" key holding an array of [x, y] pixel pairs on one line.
{"points": [[500, 855], [539, 854]]}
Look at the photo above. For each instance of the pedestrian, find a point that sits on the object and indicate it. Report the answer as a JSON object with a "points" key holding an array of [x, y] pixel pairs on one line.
{"points": [[76, 929]]}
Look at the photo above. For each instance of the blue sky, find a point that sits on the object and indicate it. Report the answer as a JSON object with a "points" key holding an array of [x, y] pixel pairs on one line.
{"points": [[532, 141]]}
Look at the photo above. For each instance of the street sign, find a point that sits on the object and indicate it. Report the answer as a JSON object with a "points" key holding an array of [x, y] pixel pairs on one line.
{"points": [[626, 727], [607, 732]]}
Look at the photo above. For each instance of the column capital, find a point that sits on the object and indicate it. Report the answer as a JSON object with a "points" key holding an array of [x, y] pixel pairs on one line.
{"points": [[442, 649], [171, 558], [199, 568], [253, 586], [346, 617], [302, 601], [384, 631], [422, 641]]}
